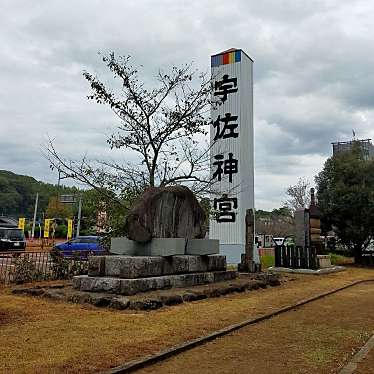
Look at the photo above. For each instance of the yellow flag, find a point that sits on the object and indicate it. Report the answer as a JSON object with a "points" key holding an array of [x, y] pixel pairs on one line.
{"points": [[21, 223], [46, 227], [70, 228]]}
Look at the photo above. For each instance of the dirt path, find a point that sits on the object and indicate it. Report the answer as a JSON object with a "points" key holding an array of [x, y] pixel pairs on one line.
{"points": [[319, 337], [53, 337]]}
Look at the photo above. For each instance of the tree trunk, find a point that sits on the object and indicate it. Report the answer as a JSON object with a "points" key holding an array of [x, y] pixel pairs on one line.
{"points": [[152, 178], [357, 252]]}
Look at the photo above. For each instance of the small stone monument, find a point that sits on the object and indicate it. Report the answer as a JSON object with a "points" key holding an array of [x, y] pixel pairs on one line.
{"points": [[314, 221], [168, 212], [308, 230], [247, 264], [166, 221], [165, 248]]}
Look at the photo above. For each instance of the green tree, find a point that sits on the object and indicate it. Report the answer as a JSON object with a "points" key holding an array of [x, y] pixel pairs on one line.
{"points": [[106, 204], [346, 198], [55, 209], [17, 194]]}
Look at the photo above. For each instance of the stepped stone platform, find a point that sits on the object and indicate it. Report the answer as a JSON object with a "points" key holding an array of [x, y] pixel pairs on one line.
{"points": [[164, 247], [155, 299], [129, 275]]}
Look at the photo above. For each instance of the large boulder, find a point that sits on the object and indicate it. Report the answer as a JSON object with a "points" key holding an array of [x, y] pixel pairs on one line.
{"points": [[166, 212]]}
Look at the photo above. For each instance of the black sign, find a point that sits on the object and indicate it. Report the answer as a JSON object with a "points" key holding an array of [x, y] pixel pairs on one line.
{"points": [[227, 167], [228, 129], [225, 206], [225, 86]]}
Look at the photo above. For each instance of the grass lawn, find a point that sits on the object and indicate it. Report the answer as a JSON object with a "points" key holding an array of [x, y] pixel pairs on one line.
{"points": [[44, 336], [311, 339], [267, 261], [340, 260]]}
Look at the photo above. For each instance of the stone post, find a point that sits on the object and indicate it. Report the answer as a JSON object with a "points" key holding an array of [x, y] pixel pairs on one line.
{"points": [[249, 239], [247, 264]]}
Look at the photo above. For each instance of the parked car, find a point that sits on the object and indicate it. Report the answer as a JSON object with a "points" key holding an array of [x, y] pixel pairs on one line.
{"points": [[85, 244], [12, 238]]}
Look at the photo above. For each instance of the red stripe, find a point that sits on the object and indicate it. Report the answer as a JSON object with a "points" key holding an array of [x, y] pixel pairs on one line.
{"points": [[225, 59]]}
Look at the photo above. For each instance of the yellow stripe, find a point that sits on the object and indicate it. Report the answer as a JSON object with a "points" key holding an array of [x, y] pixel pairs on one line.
{"points": [[231, 57]]}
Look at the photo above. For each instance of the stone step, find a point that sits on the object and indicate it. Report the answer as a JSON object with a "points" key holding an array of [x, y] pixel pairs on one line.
{"points": [[164, 247], [134, 286], [145, 266]]}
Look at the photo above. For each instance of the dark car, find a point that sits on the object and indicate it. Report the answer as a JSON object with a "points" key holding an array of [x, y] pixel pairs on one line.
{"points": [[81, 244], [12, 238]]}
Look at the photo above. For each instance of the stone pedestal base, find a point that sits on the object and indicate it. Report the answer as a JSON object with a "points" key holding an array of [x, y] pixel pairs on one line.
{"points": [[144, 266], [128, 275], [248, 266], [324, 261], [137, 285], [164, 247]]}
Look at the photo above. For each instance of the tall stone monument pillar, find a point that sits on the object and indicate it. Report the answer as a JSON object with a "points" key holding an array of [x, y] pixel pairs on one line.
{"points": [[231, 137]]}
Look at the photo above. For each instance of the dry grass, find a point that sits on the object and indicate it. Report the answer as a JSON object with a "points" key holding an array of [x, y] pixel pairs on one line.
{"points": [[317, 338], [341, 260], [50, 337]]}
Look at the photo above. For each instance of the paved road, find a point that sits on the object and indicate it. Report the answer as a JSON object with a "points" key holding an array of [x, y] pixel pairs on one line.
{"points": [[317, 338]]}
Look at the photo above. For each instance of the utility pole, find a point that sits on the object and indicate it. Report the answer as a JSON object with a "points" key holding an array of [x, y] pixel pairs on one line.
{"points": [[35, 211], [79, 215]]}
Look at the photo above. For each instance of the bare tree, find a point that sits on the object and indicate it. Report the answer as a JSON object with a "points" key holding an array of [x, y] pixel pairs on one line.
{"points": [[163, 127], [298, 195]]}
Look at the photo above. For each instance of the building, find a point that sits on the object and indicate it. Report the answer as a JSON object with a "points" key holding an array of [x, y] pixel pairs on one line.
{"points": [[8, 222], [365, 144]]}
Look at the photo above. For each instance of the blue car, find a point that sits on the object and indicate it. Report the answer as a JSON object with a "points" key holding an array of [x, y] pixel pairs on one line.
{"points": [[82, 245]]}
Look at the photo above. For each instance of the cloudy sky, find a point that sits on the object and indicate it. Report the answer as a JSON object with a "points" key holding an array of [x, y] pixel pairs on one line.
{"points": [[313, 74]]}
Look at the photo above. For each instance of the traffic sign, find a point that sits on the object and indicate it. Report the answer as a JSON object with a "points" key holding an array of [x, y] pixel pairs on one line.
{"points": [[67, 199]]}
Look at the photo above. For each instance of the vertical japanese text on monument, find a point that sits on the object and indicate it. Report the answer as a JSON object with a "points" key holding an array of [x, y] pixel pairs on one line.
{"points": [[225, 206], [225, 165], [225, 86]]}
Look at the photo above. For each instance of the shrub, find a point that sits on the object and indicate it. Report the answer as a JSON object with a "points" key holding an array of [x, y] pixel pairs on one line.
{"points": [[25, 270], [64, 268]]}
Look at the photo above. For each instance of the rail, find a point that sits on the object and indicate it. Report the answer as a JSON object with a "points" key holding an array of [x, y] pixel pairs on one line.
{"points": [[21, 267]]}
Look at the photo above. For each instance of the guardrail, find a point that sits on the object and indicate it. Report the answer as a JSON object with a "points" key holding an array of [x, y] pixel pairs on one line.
{"points": [[21, 267], [295, 257]]}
